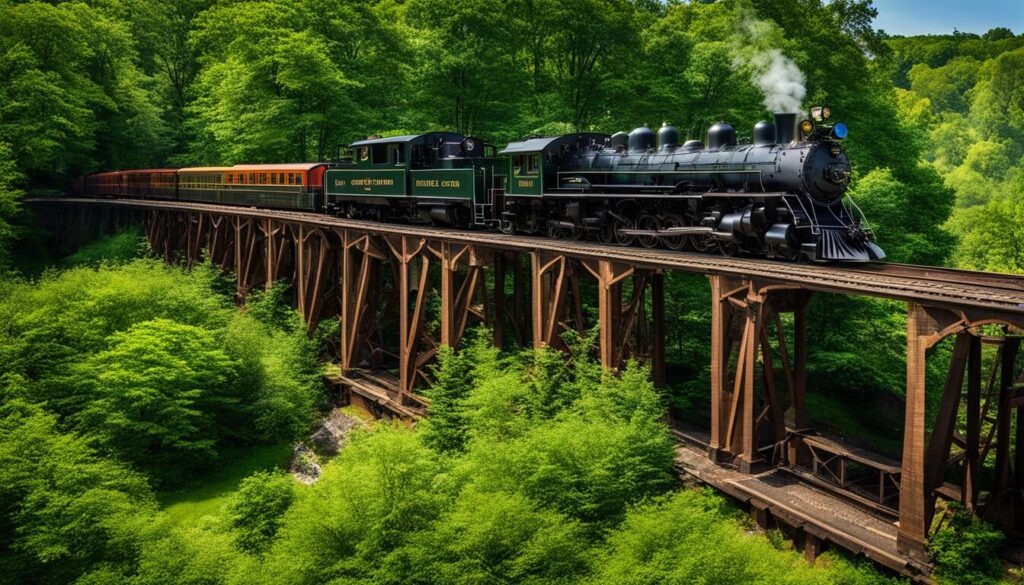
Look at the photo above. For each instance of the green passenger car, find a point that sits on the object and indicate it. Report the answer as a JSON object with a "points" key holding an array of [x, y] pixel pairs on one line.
{"points": [[440, 177]]}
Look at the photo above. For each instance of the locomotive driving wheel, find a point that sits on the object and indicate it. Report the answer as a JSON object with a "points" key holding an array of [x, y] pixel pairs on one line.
{"points": [[673, 220], [647, 222], [620, 223], [703, 243]]}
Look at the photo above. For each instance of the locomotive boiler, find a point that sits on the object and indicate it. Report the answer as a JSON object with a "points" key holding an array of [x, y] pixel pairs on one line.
{"points": [[783, 195]]}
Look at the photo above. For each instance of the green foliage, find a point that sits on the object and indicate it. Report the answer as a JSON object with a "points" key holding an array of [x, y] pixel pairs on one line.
{"points": [[154, 365], [65, 510], [9, 196], [257, 506], [191, 555], [117, 248], [965, 549], [155, 394], [691, 537]]}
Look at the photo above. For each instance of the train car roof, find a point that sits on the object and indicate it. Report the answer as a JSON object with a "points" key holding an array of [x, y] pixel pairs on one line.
{"points": [[204, 170], [279, 167], [407, 138], [546, 143], [150, 171]]}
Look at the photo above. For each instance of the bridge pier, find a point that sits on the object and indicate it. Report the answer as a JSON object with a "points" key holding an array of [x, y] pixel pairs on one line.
{"points": [[748, 415]]}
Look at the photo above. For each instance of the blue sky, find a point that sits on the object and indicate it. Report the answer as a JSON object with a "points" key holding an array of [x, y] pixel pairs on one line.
{"points": [[913, 17]]}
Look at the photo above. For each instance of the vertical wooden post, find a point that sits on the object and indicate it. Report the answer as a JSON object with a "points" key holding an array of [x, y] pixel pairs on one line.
{"points": [[538, 300], [748, 454], [609, 307], [403, 315], [447, 295], [910, 538], [347, 309], [720, 311], [498, 326], [972, 463]]}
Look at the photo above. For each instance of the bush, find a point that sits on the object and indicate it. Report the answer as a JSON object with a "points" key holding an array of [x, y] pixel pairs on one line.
{"points": [[965, 549], [256, 508], [65, 512], [156, 365], [692, 537]]}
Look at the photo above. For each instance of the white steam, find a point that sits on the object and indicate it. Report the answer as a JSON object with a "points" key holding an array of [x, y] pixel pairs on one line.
{"points": [[776, 75], [780, 80]]}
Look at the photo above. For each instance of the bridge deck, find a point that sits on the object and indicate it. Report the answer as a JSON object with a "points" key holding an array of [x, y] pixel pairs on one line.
{"points": [[960, 289], [798, 504]]}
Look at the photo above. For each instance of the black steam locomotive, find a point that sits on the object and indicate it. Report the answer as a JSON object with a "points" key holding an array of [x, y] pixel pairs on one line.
{"points": [[783, 196]]}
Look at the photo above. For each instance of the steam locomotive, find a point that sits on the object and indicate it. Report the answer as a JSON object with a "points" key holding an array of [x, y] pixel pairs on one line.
{"points": [[781, 196]]}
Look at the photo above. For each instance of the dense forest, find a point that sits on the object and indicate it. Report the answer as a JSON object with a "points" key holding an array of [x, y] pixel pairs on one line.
{"points": [[144, 417]]}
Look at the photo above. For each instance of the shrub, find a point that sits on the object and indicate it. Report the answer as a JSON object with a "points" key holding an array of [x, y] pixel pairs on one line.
{"points": [[256, 508]]}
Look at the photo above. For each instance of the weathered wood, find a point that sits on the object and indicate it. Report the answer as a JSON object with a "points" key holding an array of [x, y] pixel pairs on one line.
{"points": [[910, 539]]}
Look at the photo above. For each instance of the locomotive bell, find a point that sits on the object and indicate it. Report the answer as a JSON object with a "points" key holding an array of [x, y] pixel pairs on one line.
{"points": [[720, 135], [641, 138], [668, 138]]}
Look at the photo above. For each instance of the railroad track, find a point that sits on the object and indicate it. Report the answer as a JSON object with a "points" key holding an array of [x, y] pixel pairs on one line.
{"points": [[949, 287]]}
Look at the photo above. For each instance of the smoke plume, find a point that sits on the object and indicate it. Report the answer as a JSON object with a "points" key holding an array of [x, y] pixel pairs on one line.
{"points": [[780, 80], [776, 75]]}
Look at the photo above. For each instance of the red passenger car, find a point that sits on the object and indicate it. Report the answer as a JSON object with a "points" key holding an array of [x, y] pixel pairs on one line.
{"points": [[104, 184], [150, 183]]}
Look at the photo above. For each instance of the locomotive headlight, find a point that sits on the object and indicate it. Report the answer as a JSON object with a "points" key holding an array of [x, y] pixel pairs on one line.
{"points": [[806, 127], [826, 113], [839, 131], [817, 113]]}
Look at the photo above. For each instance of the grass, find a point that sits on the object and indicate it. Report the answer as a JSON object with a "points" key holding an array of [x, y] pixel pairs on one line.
{"points": [[207, 495]]}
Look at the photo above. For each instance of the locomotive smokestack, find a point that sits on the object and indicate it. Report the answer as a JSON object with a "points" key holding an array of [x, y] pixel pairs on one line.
{"points": [[785, 127]]}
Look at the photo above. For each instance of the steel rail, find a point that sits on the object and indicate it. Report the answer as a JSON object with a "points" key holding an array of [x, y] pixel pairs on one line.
{"points": [[950, 288]]}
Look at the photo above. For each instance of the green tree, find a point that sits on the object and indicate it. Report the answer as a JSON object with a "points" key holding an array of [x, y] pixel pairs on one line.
{"points": [[153, 396], [9, 199], [256, 509], [65, 511]]}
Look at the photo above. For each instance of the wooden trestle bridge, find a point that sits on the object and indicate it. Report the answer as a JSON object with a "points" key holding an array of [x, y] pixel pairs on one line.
{"points": [[758, 445]]}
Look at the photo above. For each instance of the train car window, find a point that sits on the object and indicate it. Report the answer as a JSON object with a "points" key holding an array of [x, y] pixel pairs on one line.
{"points": [[273, 178], [397, 154], [263, 178], [298, 179], [532, 164], [280, 178], [421, 153], [379, 154]]}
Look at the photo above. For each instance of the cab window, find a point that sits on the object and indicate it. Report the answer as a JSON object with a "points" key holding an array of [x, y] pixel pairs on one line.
{"points": [[379, 154], [526, 164], [397, 154]]}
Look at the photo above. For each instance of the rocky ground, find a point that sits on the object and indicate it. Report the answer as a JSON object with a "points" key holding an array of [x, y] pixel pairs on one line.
{"points": [[325, 442]]}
